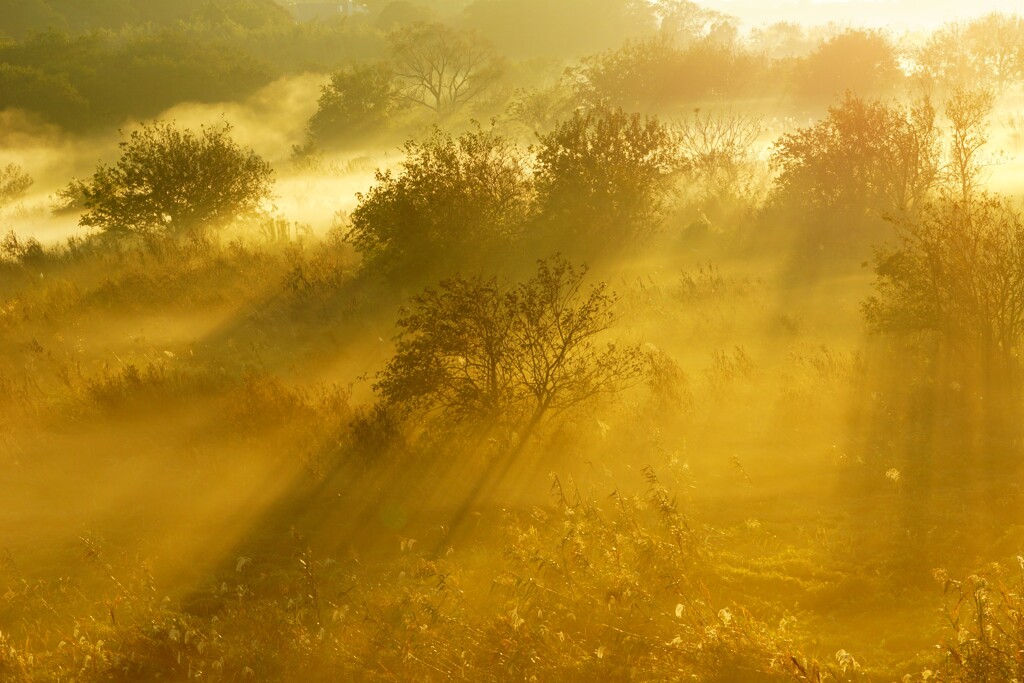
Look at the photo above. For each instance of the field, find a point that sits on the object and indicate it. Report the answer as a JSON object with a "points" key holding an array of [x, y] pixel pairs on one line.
{"points": [[619, 346]]}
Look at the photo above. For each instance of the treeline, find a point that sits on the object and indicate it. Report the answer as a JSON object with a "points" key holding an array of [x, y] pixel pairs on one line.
{"points": [[23, 17], [84, 66]]}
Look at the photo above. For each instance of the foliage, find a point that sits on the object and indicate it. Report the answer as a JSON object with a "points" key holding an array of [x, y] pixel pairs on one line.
{"points": [[654, 74], [441, 68], [985, 626], [471, 351], [968, 112], [175, 182], [603, 178], [542, 109], [614, 591], [867, 156], [684, 21], [20, 250], [454, 199], [958, 271], [22, 18], [83, 82], [14, 183], [865, 63], [358, 101], [987, 52]]}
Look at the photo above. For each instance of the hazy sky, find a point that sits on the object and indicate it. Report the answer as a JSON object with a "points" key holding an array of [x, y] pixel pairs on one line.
{"points": [[893, 13]]}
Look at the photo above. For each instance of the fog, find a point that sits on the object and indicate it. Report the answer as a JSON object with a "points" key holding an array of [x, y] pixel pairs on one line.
{"points": [[482, 341]]}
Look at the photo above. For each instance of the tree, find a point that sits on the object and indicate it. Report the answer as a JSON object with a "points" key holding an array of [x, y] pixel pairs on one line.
{"points": [[863, 62], [603, 177], [957, 271], [175, 182], [987, 52], [441, 68], [357, 101], [684, 21], [717, 150], [968, 113], [14, 183], [655, 73], [452, 200], [866, 156], [473, 354]]}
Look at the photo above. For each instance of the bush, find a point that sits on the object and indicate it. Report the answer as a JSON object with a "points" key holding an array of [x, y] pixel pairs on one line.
{"points": [[455, 201], [603, 178], [474, 354], [175, 182]]}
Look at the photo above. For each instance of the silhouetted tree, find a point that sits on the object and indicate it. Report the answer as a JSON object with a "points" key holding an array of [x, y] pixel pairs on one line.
{"points": [[452, 201], [655, 73], [358, 101], [968, 113], [866, 156], [442, 68], [14, 183], [865, 63], [603, 178], [987, 52], [475, 354], [175, 182], [957, 271]]}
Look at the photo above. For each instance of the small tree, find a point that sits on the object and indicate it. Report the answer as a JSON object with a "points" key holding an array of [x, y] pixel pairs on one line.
{"points": [[718, 151], [452, 199], [14, 183], [603, 177], [175, 182], [473, 354], [867, 156], [357, 101], [863, 62], [968, 112], [957, 271]]}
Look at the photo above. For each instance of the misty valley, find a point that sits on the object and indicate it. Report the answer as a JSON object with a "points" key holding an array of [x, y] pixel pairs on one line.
{"points": [[511, 340]]}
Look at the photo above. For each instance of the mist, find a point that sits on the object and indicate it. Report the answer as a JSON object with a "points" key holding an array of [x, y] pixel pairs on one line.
{"points": [[493, 341]]}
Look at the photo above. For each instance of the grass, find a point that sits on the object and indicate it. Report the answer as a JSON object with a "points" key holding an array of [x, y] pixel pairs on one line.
{"points": [[193, 492]]}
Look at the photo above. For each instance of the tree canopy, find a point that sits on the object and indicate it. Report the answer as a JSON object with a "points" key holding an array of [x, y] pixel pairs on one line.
{"points": [[867, 155], [175, 182], [453, 198], [957, 271], [603, 177], [357, 102], [863, 62], [478, 354]]}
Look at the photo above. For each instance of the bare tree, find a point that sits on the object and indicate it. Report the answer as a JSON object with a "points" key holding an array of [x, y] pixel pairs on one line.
{"points": [[441, 68], [968, 112], [718, 152]]}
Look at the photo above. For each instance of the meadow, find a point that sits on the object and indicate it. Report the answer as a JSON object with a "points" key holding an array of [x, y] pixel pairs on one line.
{"points": [[624, 367]]}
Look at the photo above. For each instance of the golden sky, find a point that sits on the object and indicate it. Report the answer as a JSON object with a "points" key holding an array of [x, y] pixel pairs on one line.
{"points": [[897, 14]]}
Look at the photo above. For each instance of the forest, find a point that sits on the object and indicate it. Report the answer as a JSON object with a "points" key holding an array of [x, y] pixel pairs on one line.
{"points": [[510, 340]]}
